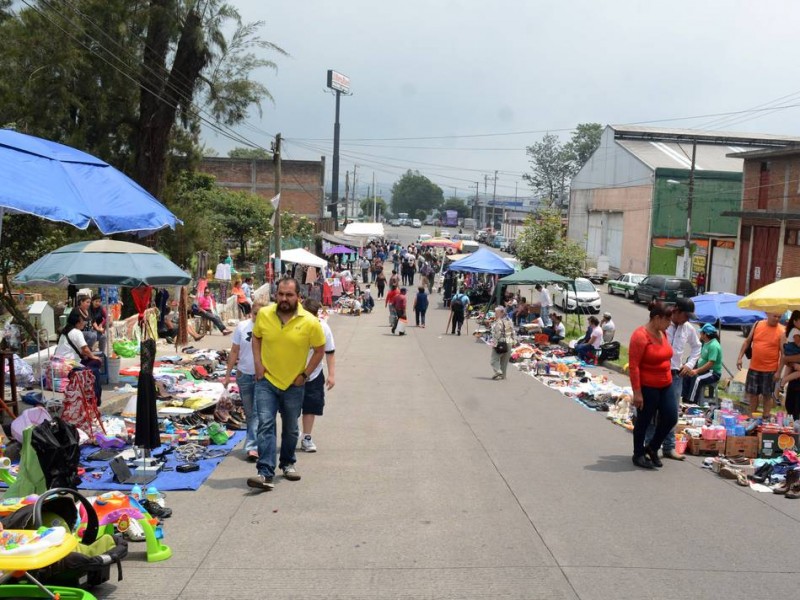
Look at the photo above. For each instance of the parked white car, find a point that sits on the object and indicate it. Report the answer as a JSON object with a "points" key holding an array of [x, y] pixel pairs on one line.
{"points": [[584, 297]]}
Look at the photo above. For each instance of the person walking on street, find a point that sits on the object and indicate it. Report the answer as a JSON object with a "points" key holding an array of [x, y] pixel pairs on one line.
{"points": [[380, 281], [651, 380], [458, 308], [504, 338], [283, 333], [682, 337], [314, 393], [420, 306], [241, 357], [394, 280], [766, 341], [545, 303], [364, 264], [399, 302]]}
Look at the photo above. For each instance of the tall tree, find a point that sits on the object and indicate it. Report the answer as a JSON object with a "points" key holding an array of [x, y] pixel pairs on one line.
{"points": [[367, 206], [413, 192], [543, 243], [241, 216], [554, 163], [551, 168], [585, 140], [250, 153], [458, 205]]}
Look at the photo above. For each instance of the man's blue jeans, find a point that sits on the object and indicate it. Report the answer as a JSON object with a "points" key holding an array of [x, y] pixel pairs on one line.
{"points": [[247, 384], [268, 401], [669, 441]]}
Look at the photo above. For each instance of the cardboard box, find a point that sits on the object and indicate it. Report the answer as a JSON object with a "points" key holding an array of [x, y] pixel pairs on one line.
{"points": [[698, 446], [746, 446], [772, 445]]}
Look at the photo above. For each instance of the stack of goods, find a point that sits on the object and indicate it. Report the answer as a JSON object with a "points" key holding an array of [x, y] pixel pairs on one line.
{"points": [[55, 374]]}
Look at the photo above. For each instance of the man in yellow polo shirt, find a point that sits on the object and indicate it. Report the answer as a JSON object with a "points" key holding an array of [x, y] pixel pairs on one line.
{"points": [[283, 333]]}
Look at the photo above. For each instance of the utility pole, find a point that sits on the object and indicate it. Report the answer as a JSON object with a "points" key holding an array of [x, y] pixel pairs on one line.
{"points": [[340, 84], [346, 194], [687, 266], [277, 230], [485, 194], [355, 199], [475, 207], [374, 201], [494, 197]]}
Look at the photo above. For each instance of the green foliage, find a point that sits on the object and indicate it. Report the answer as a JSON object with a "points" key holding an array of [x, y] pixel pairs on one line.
{"points": [[367, 208], [241, 216], [585, 140], [413, 192], [420, 214], [553, 164], [543, 243], [250, 153], [457, 204]]}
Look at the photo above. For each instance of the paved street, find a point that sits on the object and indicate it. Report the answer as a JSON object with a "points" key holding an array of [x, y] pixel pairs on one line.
{"points": [[433, 481]]}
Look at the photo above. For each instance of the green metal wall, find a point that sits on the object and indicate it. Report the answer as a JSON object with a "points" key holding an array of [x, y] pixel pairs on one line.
{"points": [[714, 193], [664, 261]]}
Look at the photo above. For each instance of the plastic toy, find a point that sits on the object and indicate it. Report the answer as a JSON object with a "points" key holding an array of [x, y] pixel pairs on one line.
{"points": [[115, 509], [5, 471]]}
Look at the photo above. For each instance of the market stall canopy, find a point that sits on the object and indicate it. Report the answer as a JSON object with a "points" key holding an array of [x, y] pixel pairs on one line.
{"points": [[533, 275], [104, 262], [302, 256], [777, 297], [723, 307], [58, 183], [336, 240], [339, 250], [483, 261], [441, 243], [364, 229]]}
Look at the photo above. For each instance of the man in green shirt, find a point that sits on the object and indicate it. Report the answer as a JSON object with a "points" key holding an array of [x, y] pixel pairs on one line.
{"points": [[709, 367]]}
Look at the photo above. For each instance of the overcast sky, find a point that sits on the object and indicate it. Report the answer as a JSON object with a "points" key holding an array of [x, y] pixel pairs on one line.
{"points": [[454, 71]]}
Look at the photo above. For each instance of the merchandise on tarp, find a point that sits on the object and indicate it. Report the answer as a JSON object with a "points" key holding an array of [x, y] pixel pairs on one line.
{"points": [[58, 183]]}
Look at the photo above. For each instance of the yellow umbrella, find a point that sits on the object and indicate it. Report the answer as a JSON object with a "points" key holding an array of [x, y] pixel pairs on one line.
{"points": [[776, 297]]}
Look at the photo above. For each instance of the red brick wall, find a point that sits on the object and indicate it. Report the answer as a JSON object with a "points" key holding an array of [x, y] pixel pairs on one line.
{"points": [[752, 169], [302, 181]]}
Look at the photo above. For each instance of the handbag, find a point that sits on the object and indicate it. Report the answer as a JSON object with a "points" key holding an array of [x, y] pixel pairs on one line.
{"points": [[501, 347], [748, 352]]}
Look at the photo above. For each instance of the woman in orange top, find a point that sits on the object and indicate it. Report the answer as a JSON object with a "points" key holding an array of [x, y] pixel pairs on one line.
{"points": [[241, 297], [649, 355]]}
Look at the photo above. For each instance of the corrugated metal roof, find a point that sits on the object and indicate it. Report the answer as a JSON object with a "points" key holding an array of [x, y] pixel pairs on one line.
{"points": [[671, 155], [717, 137]]}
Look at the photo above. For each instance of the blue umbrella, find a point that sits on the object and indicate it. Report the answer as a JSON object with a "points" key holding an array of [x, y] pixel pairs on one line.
{"points": [[104, 262], [58, 183], [723, 307]]}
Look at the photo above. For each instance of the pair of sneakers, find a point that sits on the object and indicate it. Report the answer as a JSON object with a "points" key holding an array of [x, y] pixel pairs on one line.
{"points": [[262, 482]]}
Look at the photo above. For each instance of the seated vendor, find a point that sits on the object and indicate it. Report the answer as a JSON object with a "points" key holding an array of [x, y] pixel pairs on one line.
{"points": [[170, 329], [522, 312], [72, 346], [557, 332], [241, 297], [204, 309], [591, 347]]}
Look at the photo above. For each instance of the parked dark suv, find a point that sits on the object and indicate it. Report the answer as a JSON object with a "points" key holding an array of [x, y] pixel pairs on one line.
{"points": [[664, 288]]}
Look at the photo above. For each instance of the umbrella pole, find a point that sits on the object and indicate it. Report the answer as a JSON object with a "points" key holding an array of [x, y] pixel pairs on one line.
{"points": [[449, 318]]}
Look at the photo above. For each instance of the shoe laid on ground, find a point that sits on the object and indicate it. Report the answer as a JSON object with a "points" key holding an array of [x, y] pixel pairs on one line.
{"points": [[134, 532], [260, 482], [643, 462], [155, 509], [674, 455], [307, 444], [252, 455], [290, 473]]}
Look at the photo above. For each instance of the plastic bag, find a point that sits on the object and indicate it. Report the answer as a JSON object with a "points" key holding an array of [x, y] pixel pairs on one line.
{"points": [[126, 348]]}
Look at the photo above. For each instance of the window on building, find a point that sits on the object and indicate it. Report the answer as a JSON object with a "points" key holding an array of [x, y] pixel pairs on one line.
{"points": [[763, 186], [791, 237]]}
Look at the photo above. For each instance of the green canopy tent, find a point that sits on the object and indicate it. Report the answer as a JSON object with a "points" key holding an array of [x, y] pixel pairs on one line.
{"points": [[531, 276]]}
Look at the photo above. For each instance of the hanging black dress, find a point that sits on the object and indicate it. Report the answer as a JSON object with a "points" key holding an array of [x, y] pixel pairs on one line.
{"points": [[147, 434]]}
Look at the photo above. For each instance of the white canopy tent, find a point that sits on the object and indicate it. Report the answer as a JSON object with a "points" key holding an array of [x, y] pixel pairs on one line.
{"points": [[302, 256], [367, 230]]}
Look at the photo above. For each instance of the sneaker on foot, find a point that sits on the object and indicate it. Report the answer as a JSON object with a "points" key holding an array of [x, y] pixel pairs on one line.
{"points": [[307, 444], [260, 482], [290, 473], [497, 376]]}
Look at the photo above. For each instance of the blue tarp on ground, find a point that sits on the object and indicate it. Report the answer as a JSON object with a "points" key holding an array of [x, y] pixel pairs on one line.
{"points": [[59, 183], [483, 261]]}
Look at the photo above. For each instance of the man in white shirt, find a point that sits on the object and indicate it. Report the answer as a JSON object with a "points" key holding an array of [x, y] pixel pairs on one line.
{"points": [[608, 327], [683, 338], [241, 356], [314, 394], [545, 302]]}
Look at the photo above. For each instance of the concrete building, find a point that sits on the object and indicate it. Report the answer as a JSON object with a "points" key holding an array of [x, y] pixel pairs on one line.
{"points": [[302, 181], [769, 232], [629, 202]]}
